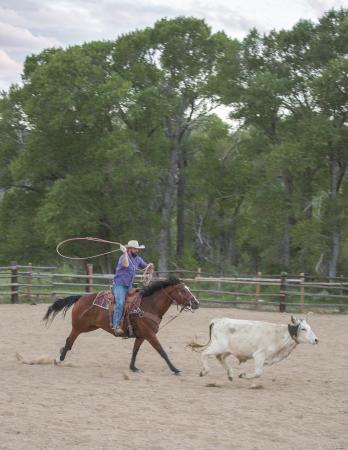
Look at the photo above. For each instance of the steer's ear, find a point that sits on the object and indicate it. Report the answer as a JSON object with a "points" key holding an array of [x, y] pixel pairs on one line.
{"points": [[293, 319]]}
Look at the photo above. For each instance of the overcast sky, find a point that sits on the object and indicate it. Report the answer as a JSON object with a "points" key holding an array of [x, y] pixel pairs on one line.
{"points": [[29, 26]]}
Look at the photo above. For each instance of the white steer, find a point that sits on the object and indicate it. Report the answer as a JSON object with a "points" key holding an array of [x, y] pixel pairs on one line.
{"points": [[266, 343]]}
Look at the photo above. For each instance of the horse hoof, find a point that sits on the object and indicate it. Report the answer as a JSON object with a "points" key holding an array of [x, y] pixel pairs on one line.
{"points": [[135, 370], [242, 375], [57, 362], [177, 373]]}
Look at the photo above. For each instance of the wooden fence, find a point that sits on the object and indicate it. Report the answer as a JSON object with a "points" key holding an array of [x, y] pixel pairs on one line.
{"points": [[283, 292]]}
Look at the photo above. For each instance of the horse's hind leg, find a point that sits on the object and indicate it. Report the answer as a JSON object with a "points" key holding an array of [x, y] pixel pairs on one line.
{"points": [[68, 345]]}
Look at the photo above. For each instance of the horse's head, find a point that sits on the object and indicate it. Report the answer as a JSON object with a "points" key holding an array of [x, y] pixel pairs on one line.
{"points": [[180, 294]]}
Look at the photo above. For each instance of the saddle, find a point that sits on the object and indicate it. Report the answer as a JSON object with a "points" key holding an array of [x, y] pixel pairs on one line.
{"points": [[106, 300]]}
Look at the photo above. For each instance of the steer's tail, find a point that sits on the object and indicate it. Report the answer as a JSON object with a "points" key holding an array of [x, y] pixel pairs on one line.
{"points": [[198, 347], [62, 304]]}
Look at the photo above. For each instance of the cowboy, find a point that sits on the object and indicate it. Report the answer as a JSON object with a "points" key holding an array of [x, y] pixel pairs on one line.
{"points": [[126, 268]]}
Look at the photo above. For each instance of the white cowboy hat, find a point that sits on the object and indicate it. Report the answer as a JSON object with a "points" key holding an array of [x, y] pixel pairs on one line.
{"points": [[135, 244]]}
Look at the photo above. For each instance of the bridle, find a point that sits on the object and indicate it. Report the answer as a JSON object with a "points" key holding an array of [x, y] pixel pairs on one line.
{"points": [[184, 307]]}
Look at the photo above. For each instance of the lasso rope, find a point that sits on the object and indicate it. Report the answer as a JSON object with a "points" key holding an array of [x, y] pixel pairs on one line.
{"points": [[93, 239], [148, 271]]}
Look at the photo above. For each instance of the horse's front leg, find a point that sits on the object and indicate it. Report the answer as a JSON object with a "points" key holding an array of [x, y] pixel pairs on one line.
{"points": [[137, 344], [156, 345]]}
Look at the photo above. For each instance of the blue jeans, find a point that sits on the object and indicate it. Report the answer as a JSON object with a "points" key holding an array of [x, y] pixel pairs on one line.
{"points": [[120, 298]]}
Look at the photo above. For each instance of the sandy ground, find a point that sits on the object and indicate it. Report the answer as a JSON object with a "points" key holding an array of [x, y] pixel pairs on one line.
{"points": [[300, 403]]}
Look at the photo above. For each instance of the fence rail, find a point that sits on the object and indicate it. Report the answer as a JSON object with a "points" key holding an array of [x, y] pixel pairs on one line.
{"points": [[302, 292]]}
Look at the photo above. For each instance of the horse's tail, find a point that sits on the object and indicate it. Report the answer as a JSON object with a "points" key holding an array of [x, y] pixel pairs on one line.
{"points": [[62, 304], [197, 347]]}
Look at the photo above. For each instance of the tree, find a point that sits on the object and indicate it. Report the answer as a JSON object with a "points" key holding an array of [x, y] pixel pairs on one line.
{"points": [[172, 68], [284, 91], [87, 160]]}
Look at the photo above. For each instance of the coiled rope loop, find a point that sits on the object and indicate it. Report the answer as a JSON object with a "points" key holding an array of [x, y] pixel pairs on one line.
{"points": [[148, 271], [93, 239]]}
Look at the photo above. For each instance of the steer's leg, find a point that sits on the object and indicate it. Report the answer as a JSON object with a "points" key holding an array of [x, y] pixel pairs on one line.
{"points": [[259, 359], [213, 350], [204, 358], [222, 359]]}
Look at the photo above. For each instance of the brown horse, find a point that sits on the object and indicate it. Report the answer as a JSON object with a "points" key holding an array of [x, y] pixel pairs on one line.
{"points": [[156, 300]]}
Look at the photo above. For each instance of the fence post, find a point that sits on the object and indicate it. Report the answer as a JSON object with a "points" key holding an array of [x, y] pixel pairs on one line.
{"points": [[302, 290], [197, 278], [282, 292], [14, 282], [341, 287], [219, 285], [89, 272], [258, 290], [30, 281]]}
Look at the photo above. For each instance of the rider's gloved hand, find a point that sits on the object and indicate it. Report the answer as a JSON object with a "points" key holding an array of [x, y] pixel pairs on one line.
{"points": [[123, 248]]}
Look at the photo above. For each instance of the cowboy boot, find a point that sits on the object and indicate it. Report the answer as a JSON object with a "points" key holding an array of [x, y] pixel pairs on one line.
{"points": [[118, 330]]}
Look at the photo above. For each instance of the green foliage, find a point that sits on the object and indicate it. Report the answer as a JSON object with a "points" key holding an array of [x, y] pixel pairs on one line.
{"points": [[116, 139]]}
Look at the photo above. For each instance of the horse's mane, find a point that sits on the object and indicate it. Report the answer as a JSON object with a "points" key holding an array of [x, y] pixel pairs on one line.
{"points": [[160, 284]]}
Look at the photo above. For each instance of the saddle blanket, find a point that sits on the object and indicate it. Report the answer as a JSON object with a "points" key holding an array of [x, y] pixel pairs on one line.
{"points": [[104, 299]]}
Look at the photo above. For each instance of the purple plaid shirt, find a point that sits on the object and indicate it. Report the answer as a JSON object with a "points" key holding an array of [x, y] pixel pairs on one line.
{"points": [[124, 276]]}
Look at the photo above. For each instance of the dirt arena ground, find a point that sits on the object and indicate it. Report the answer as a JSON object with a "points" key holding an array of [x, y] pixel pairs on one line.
{"points": [[300, 403]]}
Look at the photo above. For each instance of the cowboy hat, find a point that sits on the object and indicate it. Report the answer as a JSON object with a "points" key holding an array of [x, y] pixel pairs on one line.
{"points": [[135, 244]]}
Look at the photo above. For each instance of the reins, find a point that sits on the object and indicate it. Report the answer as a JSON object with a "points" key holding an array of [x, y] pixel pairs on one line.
{"points": [[170, 320], [177, 315]]}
